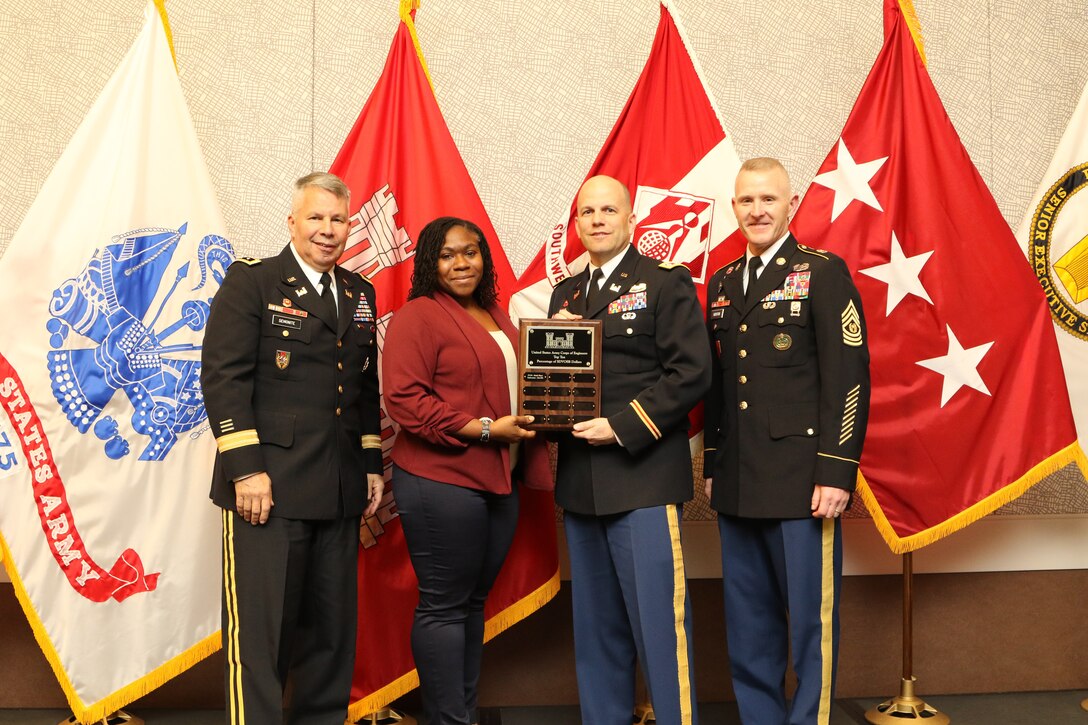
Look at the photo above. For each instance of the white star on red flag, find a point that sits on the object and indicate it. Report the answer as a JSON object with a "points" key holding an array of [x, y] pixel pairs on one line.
{"points": [[901, 275], [850, 181], [959, 367]]}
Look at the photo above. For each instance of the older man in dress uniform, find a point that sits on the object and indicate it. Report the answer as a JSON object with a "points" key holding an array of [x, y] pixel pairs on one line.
{"points": [[785, 421], [291, 387], [621, 478]]}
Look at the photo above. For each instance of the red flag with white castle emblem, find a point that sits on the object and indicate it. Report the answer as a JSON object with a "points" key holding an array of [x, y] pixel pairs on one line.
{"points": [[969, 406], [404, 170], [671, 149]]}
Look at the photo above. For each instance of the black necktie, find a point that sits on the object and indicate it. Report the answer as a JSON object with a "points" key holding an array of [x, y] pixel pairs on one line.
{"points": [[326, 293], [594, 287], [753, 270]]}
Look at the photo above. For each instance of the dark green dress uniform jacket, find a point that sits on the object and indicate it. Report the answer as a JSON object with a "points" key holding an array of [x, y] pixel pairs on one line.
{"points": [[291, 391], [790, 398], [655, 369]]}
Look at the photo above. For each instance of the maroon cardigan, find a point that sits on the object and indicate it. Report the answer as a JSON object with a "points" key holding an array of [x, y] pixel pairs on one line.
{"points": [[440, 370]]}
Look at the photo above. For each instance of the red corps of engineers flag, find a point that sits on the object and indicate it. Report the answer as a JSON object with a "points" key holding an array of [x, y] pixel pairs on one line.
{"points": [[969, 402], [670, 147], [404, 170]]}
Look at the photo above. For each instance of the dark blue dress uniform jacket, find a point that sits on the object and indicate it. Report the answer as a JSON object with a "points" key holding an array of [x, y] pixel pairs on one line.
{"points": [[656, 368], [790, 397], [291, 391]]}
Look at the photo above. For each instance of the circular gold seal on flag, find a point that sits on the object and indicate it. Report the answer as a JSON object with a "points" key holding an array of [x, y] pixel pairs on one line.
{"points": [[1059, 252], [782, 341]]}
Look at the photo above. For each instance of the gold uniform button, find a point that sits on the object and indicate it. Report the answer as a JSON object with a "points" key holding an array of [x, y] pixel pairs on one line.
{"points": [[743, 353], [339, 388], [338, 411], [781, 320], [810, 431], [286, 333], [339, 366], [744, 327], [629, 331], [744, 405], [340, 343], [743, 379]]}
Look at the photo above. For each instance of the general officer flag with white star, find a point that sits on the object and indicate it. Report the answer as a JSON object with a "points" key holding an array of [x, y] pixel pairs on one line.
{"points": [[969, 407]]}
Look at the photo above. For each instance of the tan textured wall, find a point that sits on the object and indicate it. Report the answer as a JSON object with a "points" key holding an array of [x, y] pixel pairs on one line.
{"points": [[530, 90]]}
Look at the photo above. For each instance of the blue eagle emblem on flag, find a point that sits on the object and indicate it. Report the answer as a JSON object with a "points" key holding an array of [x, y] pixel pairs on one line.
{"points": [[109, 329]]}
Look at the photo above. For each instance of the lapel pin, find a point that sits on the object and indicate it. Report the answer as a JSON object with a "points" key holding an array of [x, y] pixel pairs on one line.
{"points": [[300, 291], [780, 261]]}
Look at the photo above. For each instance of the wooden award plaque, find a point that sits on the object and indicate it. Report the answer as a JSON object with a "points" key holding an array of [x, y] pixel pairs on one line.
{"points": [[559, 372]]}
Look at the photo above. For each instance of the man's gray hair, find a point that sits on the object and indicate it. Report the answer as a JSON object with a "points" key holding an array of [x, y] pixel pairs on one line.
{"points": [[322, 180]]}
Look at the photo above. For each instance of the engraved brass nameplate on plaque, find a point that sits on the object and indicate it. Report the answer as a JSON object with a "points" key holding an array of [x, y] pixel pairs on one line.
{"points": [[559, 375]]}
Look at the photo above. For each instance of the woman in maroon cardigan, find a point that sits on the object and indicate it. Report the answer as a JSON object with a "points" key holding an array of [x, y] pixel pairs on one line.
{"points": [[449, 368]]}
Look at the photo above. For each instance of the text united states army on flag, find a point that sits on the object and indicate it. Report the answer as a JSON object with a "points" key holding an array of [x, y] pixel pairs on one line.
{"points": [[105, 451]]}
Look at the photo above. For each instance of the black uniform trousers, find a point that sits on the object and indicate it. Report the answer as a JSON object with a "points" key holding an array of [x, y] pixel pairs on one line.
{"points": [[283, 612]]}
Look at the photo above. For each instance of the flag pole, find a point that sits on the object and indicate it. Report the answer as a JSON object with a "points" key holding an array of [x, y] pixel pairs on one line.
{"points": [[383, 717], [906, 706], [118, 718]]}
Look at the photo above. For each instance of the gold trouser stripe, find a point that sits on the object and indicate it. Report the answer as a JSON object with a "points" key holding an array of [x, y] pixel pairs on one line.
{"points": [[645, 419], [229, 442], [827, 611], [679, 596], [372, 441], [234, 659]]}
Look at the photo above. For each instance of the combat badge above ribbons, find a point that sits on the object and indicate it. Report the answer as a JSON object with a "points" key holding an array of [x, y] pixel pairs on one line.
{"points": [[1065, 281], [851, 325]]}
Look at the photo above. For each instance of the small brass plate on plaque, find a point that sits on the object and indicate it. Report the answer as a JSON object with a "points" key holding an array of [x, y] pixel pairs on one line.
{"points": [[559, 372]]}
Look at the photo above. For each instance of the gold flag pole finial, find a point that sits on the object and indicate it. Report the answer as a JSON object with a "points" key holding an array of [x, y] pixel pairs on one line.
{"points": [[160, 5], [910, 15], [406, 9]]}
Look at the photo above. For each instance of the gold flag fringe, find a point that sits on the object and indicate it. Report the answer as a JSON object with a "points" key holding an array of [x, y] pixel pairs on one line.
{"points": [[161, 6], [901, 545], [505, 619], [910, 15], [98, 711], [406, 8]]}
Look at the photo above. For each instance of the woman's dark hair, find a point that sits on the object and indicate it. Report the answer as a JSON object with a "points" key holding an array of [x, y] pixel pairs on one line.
{"points": [[428, 246]]}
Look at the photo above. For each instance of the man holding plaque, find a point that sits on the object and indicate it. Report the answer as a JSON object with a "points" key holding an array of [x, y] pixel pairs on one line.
{"points": [[785, 421], [622, 478]]}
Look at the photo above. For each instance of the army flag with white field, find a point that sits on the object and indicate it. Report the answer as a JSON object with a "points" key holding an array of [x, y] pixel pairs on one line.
{"points": [[105, 452]]}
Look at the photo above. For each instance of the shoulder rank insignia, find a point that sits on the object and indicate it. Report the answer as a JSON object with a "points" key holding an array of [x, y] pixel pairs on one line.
{"points": [[851, 325], [822, 253], [247, 260], [671, 265]]}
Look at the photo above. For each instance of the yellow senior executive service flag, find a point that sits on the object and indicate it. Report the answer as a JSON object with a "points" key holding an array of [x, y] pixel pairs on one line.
{"points": [[105, 453]]}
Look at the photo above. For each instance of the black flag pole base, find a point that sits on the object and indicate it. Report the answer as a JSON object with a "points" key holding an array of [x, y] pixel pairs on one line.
{"points": [[906, 707], [388, 716], [118, 718]]}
